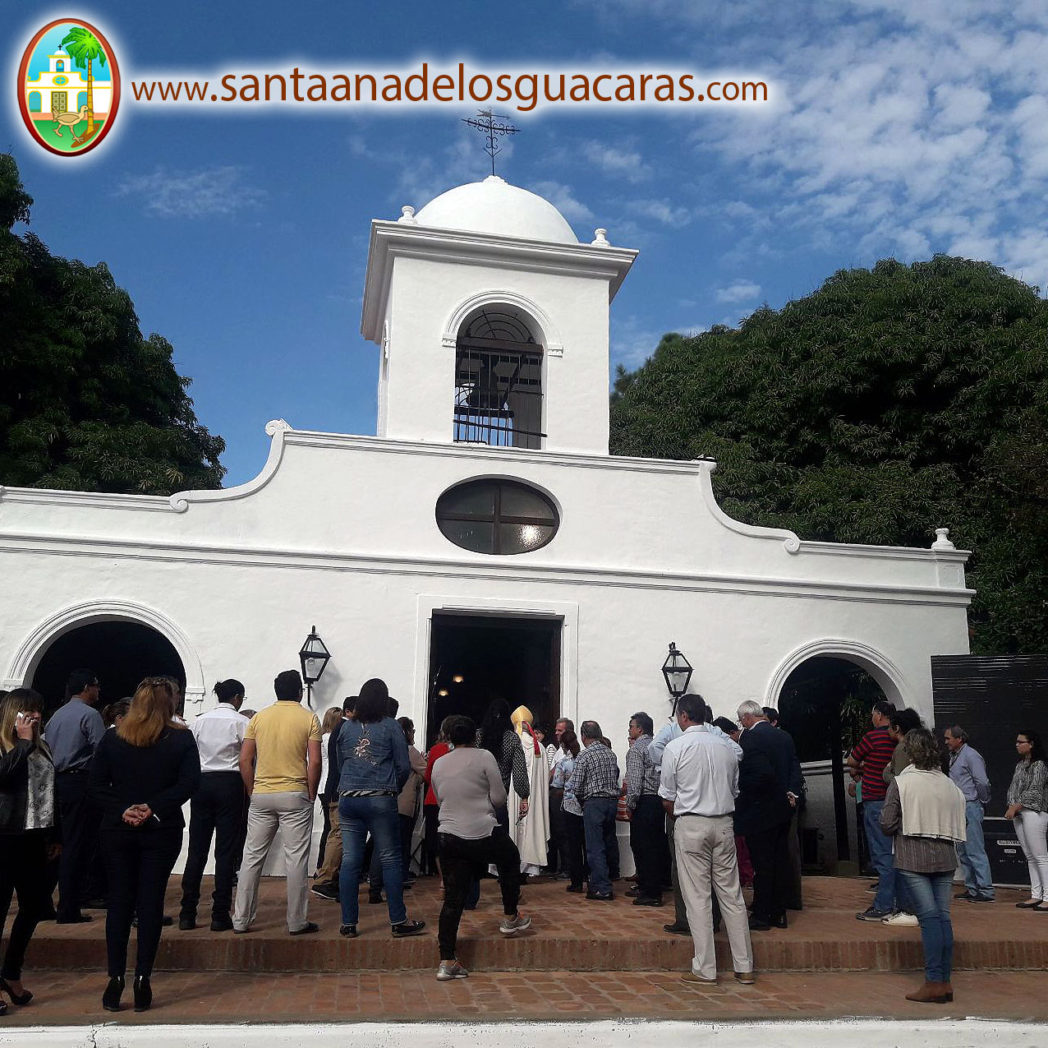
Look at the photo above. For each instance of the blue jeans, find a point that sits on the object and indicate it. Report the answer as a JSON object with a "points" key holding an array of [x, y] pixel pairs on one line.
{"points": [[972, 854], [358, 815], [930, 896], [880, 845], [598, 820]]}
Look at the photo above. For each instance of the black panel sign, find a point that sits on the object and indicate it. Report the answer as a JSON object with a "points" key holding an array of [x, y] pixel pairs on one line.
{"points": [[993, 698]]}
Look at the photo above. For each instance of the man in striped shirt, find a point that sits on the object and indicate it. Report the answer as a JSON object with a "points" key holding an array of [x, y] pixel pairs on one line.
{"points": [[868, 759], [647, 819]]}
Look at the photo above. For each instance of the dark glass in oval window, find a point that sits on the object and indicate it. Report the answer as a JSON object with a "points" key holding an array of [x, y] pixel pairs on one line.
{"points": [[497, 517]]}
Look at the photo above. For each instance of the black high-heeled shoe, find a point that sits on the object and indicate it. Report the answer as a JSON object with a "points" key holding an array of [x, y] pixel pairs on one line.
{"points": [[18, 998], [143, 993], [114, 990]]}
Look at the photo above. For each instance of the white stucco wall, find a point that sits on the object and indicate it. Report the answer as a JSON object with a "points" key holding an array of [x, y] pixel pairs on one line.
{"points": [[643, 556]]}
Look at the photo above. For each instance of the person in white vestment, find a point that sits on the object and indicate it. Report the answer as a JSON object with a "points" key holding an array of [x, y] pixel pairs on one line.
{"points": [[530, 832]]}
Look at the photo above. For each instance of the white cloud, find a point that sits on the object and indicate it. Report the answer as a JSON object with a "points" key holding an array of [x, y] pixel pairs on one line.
{"points": [[563, 198], [662, 211], [192, 194], [902, 128], [740, 291], [421, 177], [616, 159]]}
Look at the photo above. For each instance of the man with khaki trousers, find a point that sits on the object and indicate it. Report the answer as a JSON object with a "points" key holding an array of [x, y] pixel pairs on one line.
{"points": [[325, 885], [280, 765], [698, 786]]}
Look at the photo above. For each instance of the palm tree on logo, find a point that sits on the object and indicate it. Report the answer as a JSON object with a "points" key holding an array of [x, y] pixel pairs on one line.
{"points": [[84, 48]]}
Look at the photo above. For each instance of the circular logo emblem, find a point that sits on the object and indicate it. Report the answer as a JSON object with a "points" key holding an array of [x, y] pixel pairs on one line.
{"points": [[68, 87]]}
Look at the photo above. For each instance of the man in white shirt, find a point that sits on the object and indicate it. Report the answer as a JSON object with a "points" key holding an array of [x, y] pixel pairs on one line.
{"points": [[653, 757], [218, 807], [698, 785]]}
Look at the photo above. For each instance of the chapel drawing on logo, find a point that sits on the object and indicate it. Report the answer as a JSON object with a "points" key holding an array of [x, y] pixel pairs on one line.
{"points": [[69, 87]]}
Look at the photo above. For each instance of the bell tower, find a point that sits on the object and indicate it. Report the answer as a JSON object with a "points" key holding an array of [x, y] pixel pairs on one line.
{"points": [[492, 321]]}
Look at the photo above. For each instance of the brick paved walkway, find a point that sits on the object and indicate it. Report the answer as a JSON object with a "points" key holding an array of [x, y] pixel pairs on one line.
{"points": [[580, 961], [73, 998]]}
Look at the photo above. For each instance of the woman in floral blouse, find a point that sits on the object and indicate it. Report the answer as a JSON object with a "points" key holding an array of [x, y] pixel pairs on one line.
{"points": [[1028, 810]]}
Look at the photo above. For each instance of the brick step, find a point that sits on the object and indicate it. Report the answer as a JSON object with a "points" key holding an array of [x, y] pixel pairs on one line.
{"points": [[568, 933]]}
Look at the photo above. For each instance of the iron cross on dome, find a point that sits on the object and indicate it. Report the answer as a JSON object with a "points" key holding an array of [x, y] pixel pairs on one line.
{"points": [[493, 126]]}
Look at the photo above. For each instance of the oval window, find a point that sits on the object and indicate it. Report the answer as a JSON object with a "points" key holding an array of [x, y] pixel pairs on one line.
{"points": [[499, 517]]}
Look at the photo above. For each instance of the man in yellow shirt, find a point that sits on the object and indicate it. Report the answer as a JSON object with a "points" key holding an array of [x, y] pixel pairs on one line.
{"points": [[280, 765]]}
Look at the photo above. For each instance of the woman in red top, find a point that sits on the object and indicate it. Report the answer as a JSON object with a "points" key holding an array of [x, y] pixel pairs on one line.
{"points": [[430, 807]]}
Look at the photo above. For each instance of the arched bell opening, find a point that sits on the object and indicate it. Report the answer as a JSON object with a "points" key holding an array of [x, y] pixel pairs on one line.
{"points": [[498, 379]]}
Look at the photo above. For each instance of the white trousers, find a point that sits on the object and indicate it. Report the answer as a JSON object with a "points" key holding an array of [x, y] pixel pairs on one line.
{"points": [[1031, 827], [293, 813], [706, 862]]}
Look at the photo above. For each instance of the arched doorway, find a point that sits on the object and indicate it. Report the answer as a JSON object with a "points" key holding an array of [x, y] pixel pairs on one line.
{"points": [[119, 651], [825, 704]]}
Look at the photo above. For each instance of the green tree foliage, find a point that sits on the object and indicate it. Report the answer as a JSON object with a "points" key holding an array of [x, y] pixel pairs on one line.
{"points": [[86, 403], [887, 403]]}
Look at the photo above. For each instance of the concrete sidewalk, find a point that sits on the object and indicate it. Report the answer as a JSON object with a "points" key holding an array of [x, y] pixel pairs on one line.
{"points": [[856, 1033]]}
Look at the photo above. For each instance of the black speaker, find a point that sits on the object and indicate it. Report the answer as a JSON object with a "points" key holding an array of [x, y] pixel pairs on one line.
{"points": [[1007, 862]]}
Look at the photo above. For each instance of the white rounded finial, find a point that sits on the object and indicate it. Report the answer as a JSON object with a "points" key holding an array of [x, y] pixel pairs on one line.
{"points": [[942, 539], [600, 238], [407, 215]]}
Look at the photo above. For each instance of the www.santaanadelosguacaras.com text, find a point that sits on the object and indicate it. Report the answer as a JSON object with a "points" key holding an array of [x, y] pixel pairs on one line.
{"points": [[429, 84]]}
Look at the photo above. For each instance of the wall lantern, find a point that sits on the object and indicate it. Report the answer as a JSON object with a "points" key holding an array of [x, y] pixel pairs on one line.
{"points": [[314, 657], [677, 671]]}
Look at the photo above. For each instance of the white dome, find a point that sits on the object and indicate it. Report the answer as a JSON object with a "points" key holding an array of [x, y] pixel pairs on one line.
{"points": [[494, 206]]}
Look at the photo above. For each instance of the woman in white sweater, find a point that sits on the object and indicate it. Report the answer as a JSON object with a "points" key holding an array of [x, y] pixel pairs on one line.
{"points": [[924, 812]]}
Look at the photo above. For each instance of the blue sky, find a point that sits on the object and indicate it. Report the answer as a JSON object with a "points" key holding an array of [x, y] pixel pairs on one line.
{"points": [[899, 129]]}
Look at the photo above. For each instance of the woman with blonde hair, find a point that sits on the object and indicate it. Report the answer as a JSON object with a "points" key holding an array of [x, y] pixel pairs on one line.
{"points": [[27, 810], [141, 775]]}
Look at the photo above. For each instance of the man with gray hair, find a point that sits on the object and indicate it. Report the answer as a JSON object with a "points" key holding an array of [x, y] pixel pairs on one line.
{"points": [[968, 772], [769, 785]]}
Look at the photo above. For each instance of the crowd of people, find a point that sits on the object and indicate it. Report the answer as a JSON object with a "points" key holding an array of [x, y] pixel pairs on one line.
{"points": [[93, 803]]}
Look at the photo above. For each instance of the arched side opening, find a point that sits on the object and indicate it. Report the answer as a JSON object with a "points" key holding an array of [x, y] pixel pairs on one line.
{"points": [[142, 658], [825, 705], [121, 653], [498, 379], [34, 102]]}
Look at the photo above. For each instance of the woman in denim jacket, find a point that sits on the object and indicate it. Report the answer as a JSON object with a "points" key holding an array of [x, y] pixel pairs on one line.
{"points": [[374, 762]]}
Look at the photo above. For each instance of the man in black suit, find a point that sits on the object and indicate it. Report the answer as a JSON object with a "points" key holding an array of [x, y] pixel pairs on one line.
{"points": [[769, 785]]}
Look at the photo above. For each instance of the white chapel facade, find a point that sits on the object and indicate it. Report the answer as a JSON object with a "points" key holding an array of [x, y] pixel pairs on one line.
{"points": [[62, 88], [484, 533]]}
